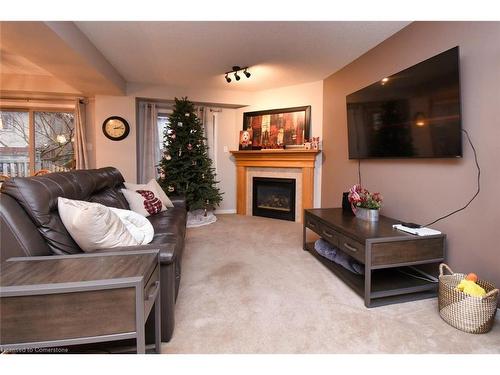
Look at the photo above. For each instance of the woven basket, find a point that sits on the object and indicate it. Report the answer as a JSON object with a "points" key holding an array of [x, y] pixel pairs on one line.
{"points": [[467, 313]]}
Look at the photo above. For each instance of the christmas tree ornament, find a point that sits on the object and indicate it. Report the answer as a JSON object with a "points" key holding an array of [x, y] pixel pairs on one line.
{"points": [[168, 157], [194, 162], [187, 115], [173, 136], [179, 124], [171, 189], [180, 152], [189, 146]]}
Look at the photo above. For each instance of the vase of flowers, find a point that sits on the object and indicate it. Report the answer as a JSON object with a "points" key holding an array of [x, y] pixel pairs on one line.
{"points": [[365, 205]]}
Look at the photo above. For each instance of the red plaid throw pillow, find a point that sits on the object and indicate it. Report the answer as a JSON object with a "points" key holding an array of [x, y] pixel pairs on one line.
{"points": [[151, 203]]}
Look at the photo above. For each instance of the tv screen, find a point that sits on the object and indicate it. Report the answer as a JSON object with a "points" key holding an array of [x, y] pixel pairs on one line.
{"points": [[411, 114]]}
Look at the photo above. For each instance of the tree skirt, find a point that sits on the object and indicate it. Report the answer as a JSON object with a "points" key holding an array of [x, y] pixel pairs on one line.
{"points": [[197, 218]]}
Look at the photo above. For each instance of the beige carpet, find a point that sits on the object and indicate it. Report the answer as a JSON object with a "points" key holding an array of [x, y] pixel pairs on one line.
{"points": [[248, 287]]}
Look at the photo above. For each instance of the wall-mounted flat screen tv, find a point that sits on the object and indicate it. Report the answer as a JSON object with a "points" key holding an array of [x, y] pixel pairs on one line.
{"points": [[411, 114]]}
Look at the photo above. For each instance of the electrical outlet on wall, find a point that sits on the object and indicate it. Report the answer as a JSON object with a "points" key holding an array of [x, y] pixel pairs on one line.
{"points": [[226, 150]]}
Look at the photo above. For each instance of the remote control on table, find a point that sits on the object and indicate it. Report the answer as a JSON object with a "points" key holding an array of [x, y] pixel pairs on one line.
{"points": [[411, 225]]}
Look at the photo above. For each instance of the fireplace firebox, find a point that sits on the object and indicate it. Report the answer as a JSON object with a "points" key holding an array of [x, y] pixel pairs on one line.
{"points": [[274, 198]]}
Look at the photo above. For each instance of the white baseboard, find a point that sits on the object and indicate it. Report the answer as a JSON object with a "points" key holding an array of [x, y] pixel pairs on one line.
{"points": [[231, 211]]}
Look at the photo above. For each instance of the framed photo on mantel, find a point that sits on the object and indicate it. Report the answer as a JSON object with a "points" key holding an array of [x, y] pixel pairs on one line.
{"points": [[277, 128]]}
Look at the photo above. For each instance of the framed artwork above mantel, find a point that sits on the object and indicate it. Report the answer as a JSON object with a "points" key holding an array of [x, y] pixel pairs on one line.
{"points": [[278, 128]]}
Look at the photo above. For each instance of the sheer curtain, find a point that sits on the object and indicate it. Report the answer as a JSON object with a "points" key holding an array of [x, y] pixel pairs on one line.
{"points": [[207, 118], [148, 143], [80, 144]]}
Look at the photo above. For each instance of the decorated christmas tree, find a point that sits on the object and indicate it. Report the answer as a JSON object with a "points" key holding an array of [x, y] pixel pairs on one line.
{"points": [[185, 168]]}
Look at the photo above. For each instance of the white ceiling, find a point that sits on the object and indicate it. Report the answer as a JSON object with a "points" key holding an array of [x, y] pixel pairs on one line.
{"points": [[196, 54]]}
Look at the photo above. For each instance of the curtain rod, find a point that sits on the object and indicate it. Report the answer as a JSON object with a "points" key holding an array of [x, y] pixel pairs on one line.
{"points": [[80, 98], [204, 104]]}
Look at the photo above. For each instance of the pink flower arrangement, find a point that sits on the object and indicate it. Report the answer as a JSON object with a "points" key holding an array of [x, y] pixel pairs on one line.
{"points": [[361, 197]]}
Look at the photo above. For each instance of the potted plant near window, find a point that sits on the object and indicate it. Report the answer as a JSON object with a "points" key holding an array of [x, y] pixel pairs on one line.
{"points": [[365, 205]]}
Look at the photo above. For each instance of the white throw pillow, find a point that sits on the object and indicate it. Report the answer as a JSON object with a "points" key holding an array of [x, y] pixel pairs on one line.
{"points": [[94, 226], [144, 202], [153, 186], [138, 226]]}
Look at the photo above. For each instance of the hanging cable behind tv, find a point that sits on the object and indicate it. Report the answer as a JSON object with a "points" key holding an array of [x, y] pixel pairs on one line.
{"points": [[478, 184], [413, 225]]}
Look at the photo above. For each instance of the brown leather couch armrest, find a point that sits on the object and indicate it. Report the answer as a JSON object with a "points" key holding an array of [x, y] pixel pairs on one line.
{"points": [[167, 254], [178, 201]]}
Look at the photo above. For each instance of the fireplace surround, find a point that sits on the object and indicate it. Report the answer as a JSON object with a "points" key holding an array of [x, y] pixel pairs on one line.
{"points": [[298, 164], [274, 198]]}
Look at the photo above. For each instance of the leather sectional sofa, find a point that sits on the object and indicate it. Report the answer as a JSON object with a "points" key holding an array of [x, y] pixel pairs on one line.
{"points": [[31, 226]]}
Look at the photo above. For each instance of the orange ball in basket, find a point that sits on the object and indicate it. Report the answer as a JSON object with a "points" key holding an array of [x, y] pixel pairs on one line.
{"points": [[471, 277]]}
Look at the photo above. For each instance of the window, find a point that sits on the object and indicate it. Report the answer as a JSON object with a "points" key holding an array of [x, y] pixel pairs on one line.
{"points": [[54, 139], [163, 123], [32, 140], [14, 143], [7, 123]]}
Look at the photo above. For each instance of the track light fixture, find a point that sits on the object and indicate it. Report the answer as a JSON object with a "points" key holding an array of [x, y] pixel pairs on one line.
{"points": [[235, 70]]}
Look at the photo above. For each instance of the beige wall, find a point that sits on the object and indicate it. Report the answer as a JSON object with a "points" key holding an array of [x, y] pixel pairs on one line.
{"points": [[226, 134], [34, 84], [423, 190], [119, 154], [204, 95]]}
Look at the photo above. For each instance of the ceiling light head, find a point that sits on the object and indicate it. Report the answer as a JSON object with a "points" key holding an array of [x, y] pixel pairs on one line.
{"points": [[237, 69], [384, 80]]}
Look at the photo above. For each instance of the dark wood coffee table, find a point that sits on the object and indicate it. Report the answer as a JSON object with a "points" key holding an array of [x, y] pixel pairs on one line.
{"points": [[385, 252], [57, 301]]}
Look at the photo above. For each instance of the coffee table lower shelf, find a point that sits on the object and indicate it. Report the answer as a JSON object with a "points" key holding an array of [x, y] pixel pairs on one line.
{"points": [[388, 285]]}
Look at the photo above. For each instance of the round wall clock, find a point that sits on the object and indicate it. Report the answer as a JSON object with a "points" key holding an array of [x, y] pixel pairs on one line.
{"points": [[115, 128]]}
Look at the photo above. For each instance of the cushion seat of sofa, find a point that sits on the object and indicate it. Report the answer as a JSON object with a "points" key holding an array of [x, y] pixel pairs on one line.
{"points": [[171, 221]]}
